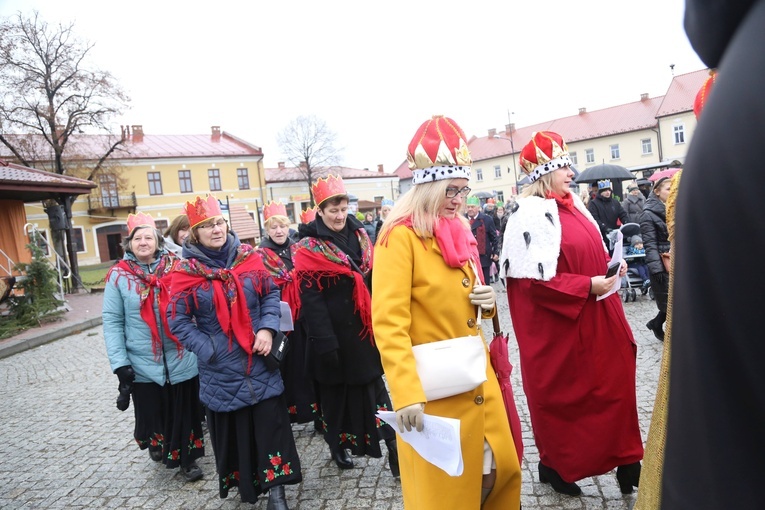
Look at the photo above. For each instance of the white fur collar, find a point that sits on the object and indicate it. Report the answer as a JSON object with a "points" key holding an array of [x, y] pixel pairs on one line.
{"points": [[531, 245]]}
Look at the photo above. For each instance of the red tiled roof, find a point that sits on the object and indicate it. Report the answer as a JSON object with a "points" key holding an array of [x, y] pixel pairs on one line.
{"points": [[242, 223], [682, 91], [584, 126], [17, 180], [293, 174], [89, 147], [403, 171]]}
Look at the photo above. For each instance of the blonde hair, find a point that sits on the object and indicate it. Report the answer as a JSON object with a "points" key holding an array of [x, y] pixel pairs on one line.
{"points": [[282, 220], [422, 204], [540, 187]]}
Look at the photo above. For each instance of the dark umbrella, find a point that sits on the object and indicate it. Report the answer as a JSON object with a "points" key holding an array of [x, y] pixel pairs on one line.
{"points": [[605, 171], [483, 194], [500, 361]]}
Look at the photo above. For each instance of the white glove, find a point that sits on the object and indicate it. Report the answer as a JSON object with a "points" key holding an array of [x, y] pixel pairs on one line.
{"points": [[410, 416], [483, 296]]}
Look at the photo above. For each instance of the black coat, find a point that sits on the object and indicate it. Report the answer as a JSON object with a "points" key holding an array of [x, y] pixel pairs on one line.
{"points": [[339, 353], [486, 235], [606, 212], [716, 416], [633, 206], [653, 229]]}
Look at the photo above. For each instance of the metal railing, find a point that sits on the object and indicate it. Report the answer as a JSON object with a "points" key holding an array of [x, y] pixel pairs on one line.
{"points": [[11, 264], [110, 201], [31, 229]]}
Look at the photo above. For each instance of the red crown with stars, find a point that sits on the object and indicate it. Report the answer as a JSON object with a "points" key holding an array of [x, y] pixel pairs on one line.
{"points": [[274, 209], [547, 151], [202, 209], [438, 151], [330, 187], [139, 220], [703, 95], [308, 216]]}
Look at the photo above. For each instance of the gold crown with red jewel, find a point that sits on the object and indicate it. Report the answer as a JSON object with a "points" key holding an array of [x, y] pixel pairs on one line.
{"points": [[308, 215], [274, 209], [135, 221], [202, 209], [330, 187]]}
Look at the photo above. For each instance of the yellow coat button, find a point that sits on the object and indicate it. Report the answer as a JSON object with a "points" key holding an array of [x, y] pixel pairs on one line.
{"points": [[479, 400], [471, 323], [465, 283]]}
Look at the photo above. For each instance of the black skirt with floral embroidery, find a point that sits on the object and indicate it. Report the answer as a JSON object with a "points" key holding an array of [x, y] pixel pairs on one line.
{"points": [[254, 448], [169, 419]]}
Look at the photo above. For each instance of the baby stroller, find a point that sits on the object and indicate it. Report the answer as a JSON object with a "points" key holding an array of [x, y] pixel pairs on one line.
{"points": [[632, 280]]}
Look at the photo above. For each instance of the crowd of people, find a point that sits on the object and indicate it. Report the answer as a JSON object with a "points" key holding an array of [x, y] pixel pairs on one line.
{"points": [[196, 322]]}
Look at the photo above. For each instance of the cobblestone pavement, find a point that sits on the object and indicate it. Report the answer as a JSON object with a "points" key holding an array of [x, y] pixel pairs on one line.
{"points": [[63, 443]]}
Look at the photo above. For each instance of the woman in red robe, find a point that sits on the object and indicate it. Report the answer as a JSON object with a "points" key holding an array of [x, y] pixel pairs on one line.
{"points": [[578, 355]]}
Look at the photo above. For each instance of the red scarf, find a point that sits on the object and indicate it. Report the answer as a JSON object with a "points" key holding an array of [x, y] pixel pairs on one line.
{"points": [[144, 286], [457, 243], [283, 277], [566, 201], [229, 299], [316, 259]]}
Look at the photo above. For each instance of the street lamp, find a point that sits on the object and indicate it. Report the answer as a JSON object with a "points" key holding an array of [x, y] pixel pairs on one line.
{"points": [[512, 155]]}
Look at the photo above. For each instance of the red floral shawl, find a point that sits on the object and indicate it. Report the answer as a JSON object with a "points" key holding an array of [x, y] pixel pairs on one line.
{"points": [[145, 285], [229, 299], [283, 277], [317, 258]]}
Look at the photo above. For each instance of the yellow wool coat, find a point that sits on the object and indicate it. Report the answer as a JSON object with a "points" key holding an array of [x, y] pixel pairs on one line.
{"points": [[418, 299]]}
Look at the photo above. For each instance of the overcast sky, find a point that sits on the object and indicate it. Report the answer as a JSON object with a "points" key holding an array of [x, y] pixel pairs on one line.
{"points": [[374, 71]]}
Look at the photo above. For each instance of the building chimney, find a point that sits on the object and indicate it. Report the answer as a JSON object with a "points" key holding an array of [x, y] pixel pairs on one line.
{"points": [[582, 110], [644, 96], [304, 165], [137, 133], [380, 169], [510, 128], [281, 165], [492, 133], [215, 134]]}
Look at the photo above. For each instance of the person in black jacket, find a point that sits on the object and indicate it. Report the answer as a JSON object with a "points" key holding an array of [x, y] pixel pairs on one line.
{"points": [[485, 234], [653, 227], [716, 415], [606, 211]]}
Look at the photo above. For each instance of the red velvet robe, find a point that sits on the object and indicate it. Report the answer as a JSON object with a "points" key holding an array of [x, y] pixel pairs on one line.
{"points": [[578, 360]]}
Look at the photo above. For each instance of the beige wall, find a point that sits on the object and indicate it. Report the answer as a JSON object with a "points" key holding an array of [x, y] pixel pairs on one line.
{"points": [[667, 125]]}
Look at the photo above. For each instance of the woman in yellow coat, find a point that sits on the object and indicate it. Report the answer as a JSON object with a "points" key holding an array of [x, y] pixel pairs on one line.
{"points": [[425, 290]]}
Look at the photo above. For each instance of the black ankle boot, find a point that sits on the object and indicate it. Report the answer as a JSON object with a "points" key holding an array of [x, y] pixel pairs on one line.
{"points": [[341, 458], [393, 457], [276, 499], [656, 329], [628, 476], [549, 475]]}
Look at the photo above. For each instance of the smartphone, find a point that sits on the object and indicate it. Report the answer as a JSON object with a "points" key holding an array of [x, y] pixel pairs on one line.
{"points": [[613, 269]]}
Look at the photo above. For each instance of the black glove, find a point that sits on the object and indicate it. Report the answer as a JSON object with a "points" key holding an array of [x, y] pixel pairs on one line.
{"points": [[125, 374], [123, 400]]}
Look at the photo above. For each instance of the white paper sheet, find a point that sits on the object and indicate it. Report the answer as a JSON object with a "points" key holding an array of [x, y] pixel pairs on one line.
{"points": [[285, 323], [616, 258], [438, 443]]}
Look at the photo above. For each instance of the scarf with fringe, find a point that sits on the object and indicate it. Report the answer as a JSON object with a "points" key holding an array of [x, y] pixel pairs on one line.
{"points": [[283, 277]]}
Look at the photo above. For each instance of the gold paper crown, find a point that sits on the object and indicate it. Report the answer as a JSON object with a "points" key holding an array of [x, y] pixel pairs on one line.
{"points": [[202, 209], [139, 220], [330, 187], [308, 215], [274, 209]]}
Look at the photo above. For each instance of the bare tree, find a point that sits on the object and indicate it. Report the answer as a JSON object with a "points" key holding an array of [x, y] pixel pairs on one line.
{"points": [[49, 95], [309, 145]]}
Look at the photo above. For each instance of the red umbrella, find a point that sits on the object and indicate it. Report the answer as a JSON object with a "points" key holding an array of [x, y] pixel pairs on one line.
{"points": [[669, 172], [500, 361]]}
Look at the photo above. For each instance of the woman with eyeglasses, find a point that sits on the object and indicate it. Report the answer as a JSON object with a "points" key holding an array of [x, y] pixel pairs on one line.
{"points": [[428, 287], [225, 309], [333, 262]]}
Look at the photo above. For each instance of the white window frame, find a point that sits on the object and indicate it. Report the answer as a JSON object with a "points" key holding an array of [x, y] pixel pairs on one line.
{"points": [[615, 153], [572, 155], [647, 142], [497, 172], [478, 175], [589, 155], [84, 242], [678, 132]]}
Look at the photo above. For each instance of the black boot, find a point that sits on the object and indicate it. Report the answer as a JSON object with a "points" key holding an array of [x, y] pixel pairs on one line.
{"points": [[341, 458], [192, 472], [393, 457], [549, 475], [628, 476], [656, 329], [276, 499]]}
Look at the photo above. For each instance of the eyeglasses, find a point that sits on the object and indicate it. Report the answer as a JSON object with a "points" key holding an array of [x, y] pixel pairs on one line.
{"points": [[453, 192], [219, 224]]}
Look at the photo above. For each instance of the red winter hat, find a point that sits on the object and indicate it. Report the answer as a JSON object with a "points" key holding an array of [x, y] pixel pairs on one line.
{"points": [[547, 151]]}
